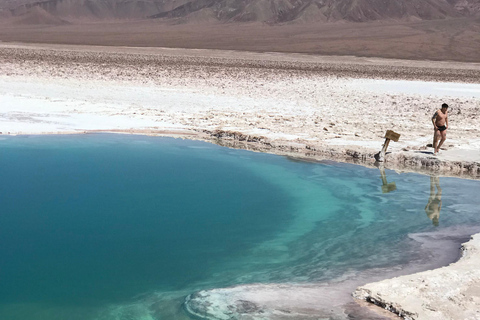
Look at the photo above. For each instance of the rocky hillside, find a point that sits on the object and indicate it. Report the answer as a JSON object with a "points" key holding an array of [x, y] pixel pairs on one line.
{"points": [[268, 11]]}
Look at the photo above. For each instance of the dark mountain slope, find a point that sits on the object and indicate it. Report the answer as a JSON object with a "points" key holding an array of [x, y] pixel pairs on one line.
{"points": [[269, 11]]}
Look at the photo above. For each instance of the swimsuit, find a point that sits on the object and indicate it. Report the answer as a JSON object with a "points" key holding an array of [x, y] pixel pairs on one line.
{"points": [[442, 128]]}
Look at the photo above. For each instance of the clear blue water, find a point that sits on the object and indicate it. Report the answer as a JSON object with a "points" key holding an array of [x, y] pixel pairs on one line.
{"points": [[124, 227]]}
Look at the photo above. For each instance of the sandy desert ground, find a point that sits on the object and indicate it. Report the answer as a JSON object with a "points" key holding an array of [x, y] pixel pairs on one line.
{"points": [[313, 107]]}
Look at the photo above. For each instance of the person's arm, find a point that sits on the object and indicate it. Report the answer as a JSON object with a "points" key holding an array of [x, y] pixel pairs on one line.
{"points": [[434, 118], [446, 119]]}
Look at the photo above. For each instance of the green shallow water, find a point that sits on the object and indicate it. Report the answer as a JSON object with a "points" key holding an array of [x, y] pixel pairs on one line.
{"points": [[124, 227]]}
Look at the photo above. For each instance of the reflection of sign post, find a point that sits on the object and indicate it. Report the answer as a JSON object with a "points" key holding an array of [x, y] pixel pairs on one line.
{"points": [[390, 135], [386, 187]]}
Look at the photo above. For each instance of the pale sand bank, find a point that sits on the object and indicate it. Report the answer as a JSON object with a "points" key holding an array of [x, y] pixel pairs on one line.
{"points": [[451, 292], [305, 106]]}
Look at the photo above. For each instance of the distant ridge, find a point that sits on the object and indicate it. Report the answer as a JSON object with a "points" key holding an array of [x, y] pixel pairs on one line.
{"points": [[267, 11], [282, 11], [37, 15]]}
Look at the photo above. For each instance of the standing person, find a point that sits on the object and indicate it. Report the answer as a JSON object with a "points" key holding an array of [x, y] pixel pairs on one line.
{"points": [[440, 126]]}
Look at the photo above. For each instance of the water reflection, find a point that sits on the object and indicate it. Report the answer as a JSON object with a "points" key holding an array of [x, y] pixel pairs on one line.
{"points": [[434, 205], [386, 187]]}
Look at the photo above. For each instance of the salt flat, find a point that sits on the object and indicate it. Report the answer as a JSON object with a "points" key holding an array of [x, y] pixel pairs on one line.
{"points": [[315, 103]]}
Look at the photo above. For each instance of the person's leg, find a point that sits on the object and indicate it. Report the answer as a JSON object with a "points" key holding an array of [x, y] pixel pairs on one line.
{"points": [[435, 140], [436, 134], [443, 137]]}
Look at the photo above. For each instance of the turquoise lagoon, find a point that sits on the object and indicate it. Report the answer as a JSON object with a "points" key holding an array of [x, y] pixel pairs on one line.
{"points": [[117, 227]]}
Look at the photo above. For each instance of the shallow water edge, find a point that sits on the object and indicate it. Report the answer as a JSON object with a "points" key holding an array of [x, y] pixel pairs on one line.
{"points": [[327, 300]]}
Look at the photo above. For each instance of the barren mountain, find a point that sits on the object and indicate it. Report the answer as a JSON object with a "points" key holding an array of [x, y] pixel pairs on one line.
{"points": [[269, 11]]}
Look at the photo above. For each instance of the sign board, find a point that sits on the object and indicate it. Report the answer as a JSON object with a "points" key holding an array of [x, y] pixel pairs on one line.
{"points": [[392, 135]]}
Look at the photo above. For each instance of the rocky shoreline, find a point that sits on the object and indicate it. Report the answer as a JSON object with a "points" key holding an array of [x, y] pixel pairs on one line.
{"points": [[405, 161]]}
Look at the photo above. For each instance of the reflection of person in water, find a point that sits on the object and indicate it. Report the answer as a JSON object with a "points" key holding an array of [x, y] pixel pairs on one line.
{"points": [[434, 201]]}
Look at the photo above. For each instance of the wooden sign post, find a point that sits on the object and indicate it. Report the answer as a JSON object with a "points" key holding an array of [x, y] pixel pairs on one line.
{"points": [[390, 135]]}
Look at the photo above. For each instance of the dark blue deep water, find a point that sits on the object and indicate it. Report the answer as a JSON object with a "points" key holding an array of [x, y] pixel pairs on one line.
{"points": [[124, 227]]}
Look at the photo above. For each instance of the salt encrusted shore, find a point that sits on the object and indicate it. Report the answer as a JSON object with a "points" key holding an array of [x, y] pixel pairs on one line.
{"points": [[451, 292], [309, 107], [317, 107]]}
